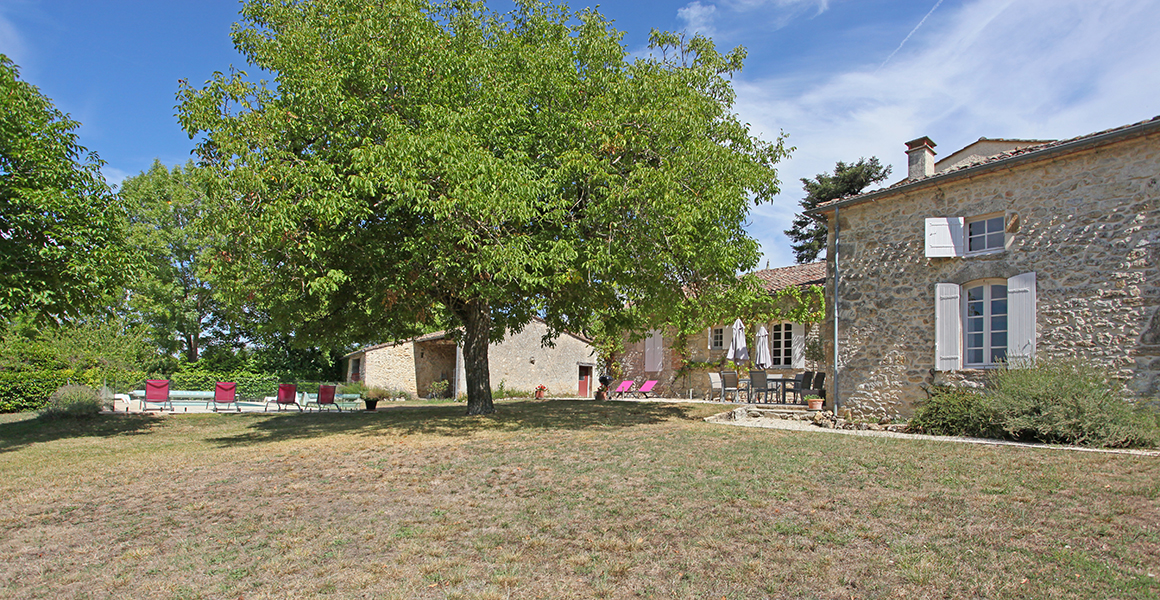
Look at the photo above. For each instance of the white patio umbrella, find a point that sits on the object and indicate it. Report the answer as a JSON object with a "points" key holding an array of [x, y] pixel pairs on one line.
{"points": [[762, 359], [737, 349]]}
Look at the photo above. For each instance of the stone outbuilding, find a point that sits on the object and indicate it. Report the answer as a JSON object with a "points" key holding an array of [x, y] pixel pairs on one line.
{"points": [[681, 367], [1003, 252], [519, 362]]}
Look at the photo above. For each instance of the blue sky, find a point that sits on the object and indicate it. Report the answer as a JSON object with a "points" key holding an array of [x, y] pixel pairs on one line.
{"points": [[844, 78]]}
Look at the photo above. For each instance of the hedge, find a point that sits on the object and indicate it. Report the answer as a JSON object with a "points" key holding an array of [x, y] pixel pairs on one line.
{"points": [[30, 390]]}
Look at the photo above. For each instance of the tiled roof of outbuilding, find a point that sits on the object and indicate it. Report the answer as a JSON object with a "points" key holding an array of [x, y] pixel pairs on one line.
{"points": [[783, 277]]}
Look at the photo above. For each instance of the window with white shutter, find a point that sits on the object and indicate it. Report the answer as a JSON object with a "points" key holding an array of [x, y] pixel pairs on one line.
{"points": [[799, 346], [985, 323]]}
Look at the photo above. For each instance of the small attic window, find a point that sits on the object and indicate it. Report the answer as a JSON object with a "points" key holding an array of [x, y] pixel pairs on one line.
{"points": [[985, 234]]}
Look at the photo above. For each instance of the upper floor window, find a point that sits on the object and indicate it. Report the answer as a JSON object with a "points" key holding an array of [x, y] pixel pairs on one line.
{"points": [[959, 236], [985, 234]]}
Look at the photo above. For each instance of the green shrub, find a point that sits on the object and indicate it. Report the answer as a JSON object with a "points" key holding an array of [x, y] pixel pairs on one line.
{"points": [[30, 390], [1069, 402], [250, 385], [72, 402], [958, 411]]}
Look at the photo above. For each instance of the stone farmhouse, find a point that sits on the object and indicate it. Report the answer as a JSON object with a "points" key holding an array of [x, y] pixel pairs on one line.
{"points": [[520, 362], [1005, 251], [682, 366]]}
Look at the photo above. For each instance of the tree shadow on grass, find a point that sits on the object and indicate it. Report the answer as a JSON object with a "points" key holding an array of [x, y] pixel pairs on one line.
{"points": [[19, 433], [449, 421]]}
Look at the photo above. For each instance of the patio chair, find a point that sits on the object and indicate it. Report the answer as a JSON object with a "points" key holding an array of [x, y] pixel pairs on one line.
{"points": [[801, 384], [325, 398], [819, 384], [758, 386], [646, 388], [716, 387], [729, 384], [225, 393], [157, 392], [287, 395], [623, 388]]}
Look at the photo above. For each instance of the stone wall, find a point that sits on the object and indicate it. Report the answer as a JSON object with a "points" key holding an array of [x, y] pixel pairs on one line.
{"points": [[1087, 223], [675, 382], [390, 367], [521, 362]]}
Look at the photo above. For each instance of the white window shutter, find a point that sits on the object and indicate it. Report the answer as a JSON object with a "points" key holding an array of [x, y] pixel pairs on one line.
{"points": [[1021, 319], [948, 325], [944, 237], [709, 346], [653, 350], [799, 345]]}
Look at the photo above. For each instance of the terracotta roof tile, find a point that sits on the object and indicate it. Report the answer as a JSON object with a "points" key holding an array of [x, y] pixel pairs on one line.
{"points": [[1002, 156], [783, 277]]}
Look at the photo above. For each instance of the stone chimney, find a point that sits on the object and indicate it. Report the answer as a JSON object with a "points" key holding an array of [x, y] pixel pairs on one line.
{"points": [[920, 158]]}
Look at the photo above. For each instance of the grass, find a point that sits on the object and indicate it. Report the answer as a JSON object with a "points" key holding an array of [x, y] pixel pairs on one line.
{"points": [[557, 499]]}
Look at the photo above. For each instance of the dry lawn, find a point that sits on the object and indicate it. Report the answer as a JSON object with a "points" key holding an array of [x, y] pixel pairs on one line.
{"points": [[557, 499]]}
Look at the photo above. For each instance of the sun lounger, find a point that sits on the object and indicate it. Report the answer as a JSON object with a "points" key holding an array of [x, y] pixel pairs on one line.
{"points": [[287, 395], [623, 388], [646, 388], [225, 393], [157, 392], [325, 398]]}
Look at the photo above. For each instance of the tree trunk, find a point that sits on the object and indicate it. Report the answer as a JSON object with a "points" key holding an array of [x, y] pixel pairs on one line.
{"points": [[477, 329]]}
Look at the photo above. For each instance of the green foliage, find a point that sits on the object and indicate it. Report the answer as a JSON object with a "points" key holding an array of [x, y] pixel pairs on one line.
{"points": [[30, 390], [250, 385], [958, 411], [61, 230], [808, 235], [173, 296], [1069, 402], [111, 344], [503, 391], [438, 389], [435, 162], [72, 402], [1052, 401]]}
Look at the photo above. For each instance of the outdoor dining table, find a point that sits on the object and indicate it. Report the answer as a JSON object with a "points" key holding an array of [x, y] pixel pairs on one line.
{"points": [[778, 382]]}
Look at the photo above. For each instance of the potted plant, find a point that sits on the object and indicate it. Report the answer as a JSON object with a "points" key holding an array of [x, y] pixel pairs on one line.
{"points": [[814, 402], [540, 390], [372, 396]]}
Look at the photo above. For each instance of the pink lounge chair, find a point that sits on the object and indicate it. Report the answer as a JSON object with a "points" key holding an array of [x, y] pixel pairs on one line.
{"points": [[325, 398], [225, 393], [623, 388], [157, 392], [287, 395], [646, 389]]}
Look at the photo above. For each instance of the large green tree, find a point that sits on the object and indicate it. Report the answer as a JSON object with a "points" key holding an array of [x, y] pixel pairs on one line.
{"points": [[421, 162], [808, 235], [173, 295], [60, 227]]}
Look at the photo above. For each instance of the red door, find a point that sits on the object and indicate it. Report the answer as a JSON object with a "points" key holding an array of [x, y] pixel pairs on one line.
{"points": [[585, 381]]}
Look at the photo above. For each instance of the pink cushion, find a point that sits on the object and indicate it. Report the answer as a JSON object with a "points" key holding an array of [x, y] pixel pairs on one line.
{"points": [[287, 393], [225, 392], [648, 386], [326, 394], [625, 386], [157, 390]]}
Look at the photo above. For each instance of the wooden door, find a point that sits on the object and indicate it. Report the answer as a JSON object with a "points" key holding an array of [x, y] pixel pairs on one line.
{"points": [[585, 381]]}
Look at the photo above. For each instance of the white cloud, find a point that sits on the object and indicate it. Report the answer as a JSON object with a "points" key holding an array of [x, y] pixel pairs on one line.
{"points": [[114, 176], [698, 17], [11, 43], [995, 68]]}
